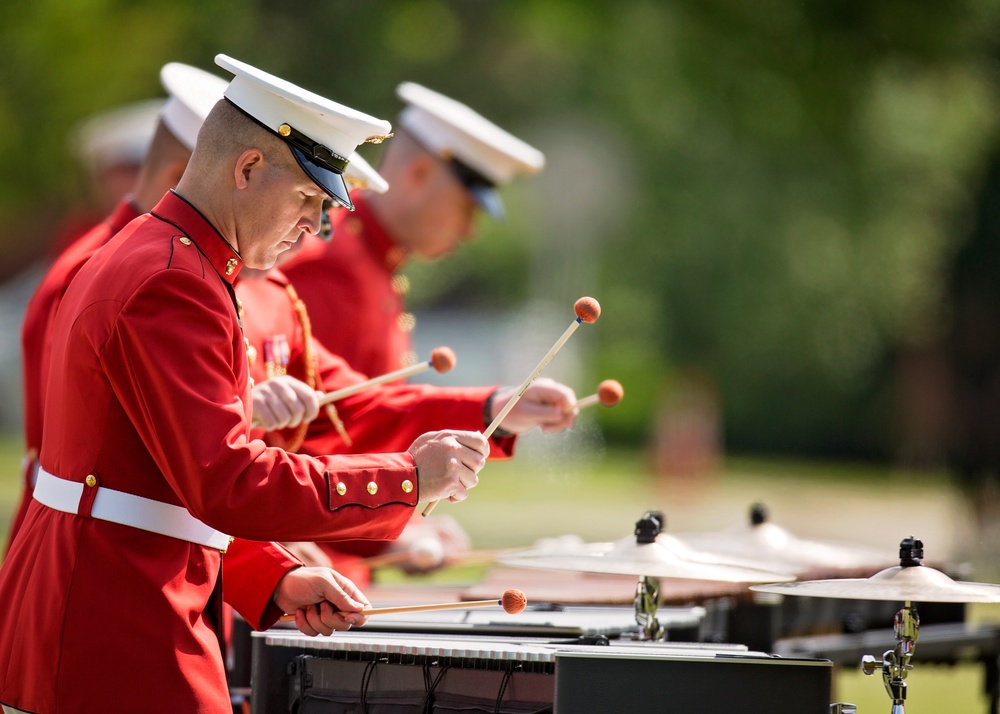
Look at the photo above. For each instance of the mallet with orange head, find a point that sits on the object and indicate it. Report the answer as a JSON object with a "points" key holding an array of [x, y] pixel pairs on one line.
{"points": [[442, 360], [512, 602], [587, 310], [609, 393]]}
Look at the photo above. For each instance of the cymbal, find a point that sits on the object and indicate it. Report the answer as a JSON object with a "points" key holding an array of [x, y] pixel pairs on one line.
{"points": [[910, 581], [662, 558], [770, 545]]}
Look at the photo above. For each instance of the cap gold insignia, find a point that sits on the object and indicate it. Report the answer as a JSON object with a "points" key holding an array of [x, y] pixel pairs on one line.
{"points": [[230, 266], [284, 130], [378, 139]]}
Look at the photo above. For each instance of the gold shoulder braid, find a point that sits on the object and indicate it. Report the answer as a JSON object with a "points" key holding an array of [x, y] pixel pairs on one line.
{"points": [[293, 443]]}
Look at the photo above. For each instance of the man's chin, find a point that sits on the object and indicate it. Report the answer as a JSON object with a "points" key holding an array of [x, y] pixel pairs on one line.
{"points": [[263, 264], [289, 249]]}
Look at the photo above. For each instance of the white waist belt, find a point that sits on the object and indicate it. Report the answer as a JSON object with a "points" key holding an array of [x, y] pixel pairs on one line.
{"points": [[128, 510]]}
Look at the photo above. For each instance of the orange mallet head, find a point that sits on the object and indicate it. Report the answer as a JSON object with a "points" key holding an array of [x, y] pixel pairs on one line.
{"points": [[587, 309], [442, 359], [610, 392], [513, 601]]}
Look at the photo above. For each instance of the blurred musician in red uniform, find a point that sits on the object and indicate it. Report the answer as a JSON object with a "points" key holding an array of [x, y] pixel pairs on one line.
{"points": [[111, 147], [192, 94], [148, 478], [444, 162]]}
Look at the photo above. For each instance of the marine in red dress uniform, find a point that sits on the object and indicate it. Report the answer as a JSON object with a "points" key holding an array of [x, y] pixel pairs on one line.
{"points": [[149, 393], [148, 405]]}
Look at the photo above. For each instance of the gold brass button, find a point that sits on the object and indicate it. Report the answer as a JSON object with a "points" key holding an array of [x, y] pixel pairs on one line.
{"points": [[407, 486], [341, 489], [185, 240], [91, 480], [372, 488]]}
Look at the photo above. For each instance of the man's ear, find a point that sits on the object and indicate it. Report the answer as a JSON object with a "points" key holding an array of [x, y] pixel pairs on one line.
{"points": [[247, 164]]}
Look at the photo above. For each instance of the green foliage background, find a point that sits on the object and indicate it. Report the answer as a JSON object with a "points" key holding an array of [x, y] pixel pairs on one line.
{"points": [[784, 183]]}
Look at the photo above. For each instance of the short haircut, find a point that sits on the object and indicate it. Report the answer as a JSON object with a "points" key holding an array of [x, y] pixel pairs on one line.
{"points": [[228, 132]]}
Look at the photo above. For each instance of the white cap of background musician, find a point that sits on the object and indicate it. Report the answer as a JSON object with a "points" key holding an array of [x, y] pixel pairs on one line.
{"points": [[320, 133], [360, 175], [193, 92], [119, 136], [483, 156]]}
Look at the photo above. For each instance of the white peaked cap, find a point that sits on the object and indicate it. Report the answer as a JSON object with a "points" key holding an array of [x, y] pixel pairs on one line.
{"points": [[193, 92], [321, 134], [360, 174], [453, 131], [118, 136]]}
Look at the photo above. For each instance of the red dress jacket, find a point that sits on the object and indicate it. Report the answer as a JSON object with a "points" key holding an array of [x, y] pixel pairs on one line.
{"points": [[149, 393], [36, 338], [347, 284], [386, 417], [383, 418]]}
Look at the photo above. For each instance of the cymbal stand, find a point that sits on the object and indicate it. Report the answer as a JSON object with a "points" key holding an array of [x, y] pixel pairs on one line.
{"points": [[647, 597], [896, 662], [647, 592]]}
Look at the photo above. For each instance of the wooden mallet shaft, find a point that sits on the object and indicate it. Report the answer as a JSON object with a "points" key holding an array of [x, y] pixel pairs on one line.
{"points": [[442, 359], [587, 310], [587, 401]]}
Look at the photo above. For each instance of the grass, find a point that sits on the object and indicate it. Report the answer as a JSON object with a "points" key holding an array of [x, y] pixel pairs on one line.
{"points": [[555, 486]]}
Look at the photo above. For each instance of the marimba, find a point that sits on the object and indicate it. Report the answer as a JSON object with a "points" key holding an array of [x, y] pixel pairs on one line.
{"points": [[412, 672]]}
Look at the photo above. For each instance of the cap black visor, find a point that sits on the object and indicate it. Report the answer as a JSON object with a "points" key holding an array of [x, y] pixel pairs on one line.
{"points": [[330, 181], [482, 189]]}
